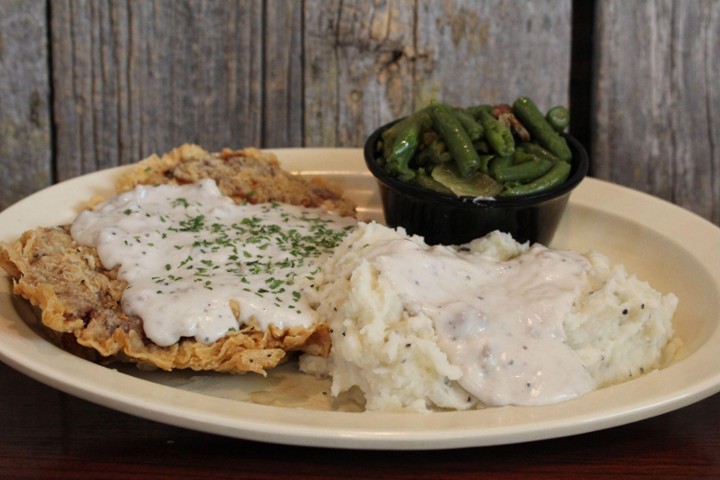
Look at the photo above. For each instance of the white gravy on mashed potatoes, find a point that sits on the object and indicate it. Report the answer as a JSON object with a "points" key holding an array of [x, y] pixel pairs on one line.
{"points": [[188, 253], [494, 322], [500, 322]]}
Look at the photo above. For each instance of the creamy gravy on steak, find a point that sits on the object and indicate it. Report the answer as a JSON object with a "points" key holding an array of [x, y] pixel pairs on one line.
{"points": [[198, 265]]}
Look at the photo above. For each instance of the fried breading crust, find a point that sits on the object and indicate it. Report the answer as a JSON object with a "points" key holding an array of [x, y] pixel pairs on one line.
{"points": [[248, 175], [80, 299]]}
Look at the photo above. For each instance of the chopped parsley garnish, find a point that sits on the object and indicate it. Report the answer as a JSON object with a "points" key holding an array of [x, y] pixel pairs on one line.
{"points": [[259, 254]]}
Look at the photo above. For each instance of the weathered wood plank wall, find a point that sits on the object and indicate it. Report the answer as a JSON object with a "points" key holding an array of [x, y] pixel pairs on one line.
{"points": [[657, 99], [367, 63], [119, 80], [133, 78], [25, 140]]}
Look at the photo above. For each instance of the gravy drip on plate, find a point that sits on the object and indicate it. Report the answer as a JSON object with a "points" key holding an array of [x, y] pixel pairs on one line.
{"points": [[499, 321], [198, 265]]}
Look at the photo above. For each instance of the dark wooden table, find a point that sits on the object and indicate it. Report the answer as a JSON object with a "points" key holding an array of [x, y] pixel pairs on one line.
{"points": [[46, 434]]}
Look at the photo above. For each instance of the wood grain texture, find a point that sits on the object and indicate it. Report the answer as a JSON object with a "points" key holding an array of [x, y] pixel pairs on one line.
{"points": [[493, 51], [657, 101], [25, 140], [134, 78], [123, 79], [358, 68], [368, 63], [282, 80]]}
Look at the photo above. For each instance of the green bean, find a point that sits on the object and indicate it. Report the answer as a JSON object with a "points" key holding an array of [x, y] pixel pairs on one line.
{"points": [[390, 135], [434, 153], [403, 150], [475, 110], [538, 151], [522, 156], [500, 162], [522, 172], [479, 151], [456, 139], [557, 174], [485, 160], [527, 112], [497, 135], [534, 152], [558, 117], [472, 127]]}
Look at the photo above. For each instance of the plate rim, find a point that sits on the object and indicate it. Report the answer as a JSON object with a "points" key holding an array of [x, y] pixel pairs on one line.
{"points": [[365, 430]]}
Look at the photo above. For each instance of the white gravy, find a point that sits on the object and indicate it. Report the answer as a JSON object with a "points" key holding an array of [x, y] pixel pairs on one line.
{"points": [[198, 265], [499, 321]]}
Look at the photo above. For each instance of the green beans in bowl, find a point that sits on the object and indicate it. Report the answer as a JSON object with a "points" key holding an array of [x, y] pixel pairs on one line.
{"points": [[454, 174]]}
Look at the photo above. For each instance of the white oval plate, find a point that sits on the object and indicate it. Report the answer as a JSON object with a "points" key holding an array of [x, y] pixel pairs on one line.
{"points": [[669, 247]]}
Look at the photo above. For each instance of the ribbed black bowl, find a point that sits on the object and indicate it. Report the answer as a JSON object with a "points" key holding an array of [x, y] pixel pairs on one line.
{"points": [[450, 220]]}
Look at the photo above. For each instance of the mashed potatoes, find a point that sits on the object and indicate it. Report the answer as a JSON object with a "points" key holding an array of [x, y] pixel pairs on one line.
{"points": [[490, 323]]}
